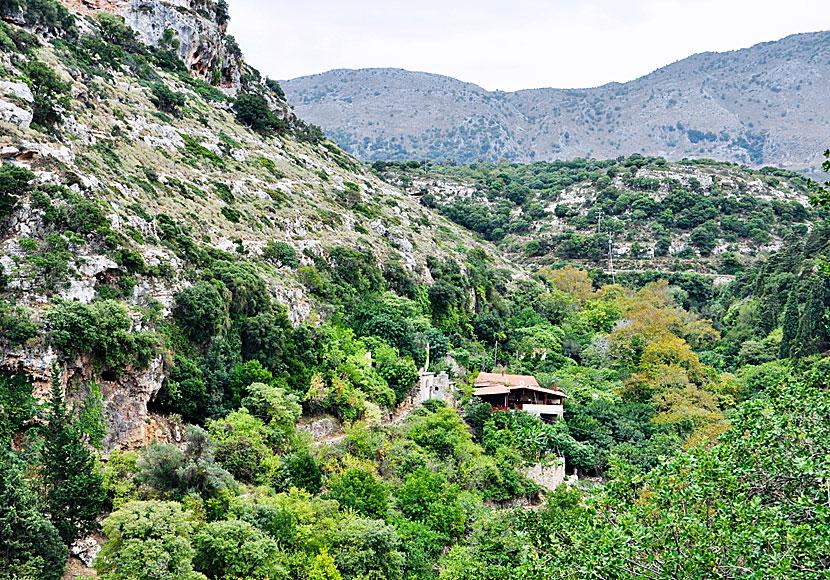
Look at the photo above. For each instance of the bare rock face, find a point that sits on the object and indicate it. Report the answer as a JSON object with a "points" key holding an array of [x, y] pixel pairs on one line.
{"points": [[124, 397], [125, 400], [17, 116], [322, 428], [193, 29], [86, 550]]}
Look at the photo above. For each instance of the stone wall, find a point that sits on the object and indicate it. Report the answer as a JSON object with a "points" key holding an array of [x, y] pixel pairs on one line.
{"points": [[549, 476]]}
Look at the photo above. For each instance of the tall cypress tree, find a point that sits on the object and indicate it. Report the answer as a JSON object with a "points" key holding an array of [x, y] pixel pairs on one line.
{"points": [[789, 327], [73, 492], [813, 325], [30, 546]]}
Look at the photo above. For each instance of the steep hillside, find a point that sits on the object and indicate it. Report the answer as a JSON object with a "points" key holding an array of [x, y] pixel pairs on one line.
{"points": [[764, 105], [699, 216], [145, 177]]}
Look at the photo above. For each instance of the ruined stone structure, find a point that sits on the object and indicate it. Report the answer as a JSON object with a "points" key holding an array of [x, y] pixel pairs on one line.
{"points": [[434, 386]]}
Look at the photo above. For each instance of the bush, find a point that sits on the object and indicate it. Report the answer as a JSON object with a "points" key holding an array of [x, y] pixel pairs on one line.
{"points": [[252, 110], [186, 390], [249, 293], [15, 325], [17, 404], [201, 310], [301, 471], [169, 472], [281, 253], [101, 329], [14, 182], [267, 338], [365, 548], [166, 100], [236, 549], [51, 94], [246, 374], [361, 491], [148, 540]]}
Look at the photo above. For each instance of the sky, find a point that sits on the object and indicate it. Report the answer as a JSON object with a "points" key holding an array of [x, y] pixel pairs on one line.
{"points": [[508, 44]]}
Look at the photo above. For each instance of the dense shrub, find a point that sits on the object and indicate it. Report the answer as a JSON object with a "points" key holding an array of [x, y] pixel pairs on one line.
{"points": [[252, 110], [14, 182], [51, 94], [166, 100], [101, 329], [249, 293], [148, 540], [282, 253], [202, 310], [361, 491]]}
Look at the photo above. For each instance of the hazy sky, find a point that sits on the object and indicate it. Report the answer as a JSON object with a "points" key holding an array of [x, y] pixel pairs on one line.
{"points": [[508, 44]]}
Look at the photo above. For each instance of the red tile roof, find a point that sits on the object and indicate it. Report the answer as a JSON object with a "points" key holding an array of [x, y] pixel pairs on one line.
{"points": [[499, 384]]}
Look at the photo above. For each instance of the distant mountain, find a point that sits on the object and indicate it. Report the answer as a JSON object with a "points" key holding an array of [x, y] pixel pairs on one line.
{"points": [[764, 105]]}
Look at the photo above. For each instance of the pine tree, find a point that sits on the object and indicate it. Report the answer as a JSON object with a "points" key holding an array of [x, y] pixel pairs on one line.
{"points": [[73, 492], [30, 546], [812, 328], [789, 326]]}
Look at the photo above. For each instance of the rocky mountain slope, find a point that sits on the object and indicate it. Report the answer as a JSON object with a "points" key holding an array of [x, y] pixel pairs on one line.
{"points": [[142, 176], [643, 213], [764, 105]]}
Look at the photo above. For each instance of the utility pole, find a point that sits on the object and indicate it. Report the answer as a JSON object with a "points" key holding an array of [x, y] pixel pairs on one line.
{"points": [[495, 355], [611, 257]]}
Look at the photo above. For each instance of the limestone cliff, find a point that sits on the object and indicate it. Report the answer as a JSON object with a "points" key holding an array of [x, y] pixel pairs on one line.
{"points": [[141, 172], [194, 29]]}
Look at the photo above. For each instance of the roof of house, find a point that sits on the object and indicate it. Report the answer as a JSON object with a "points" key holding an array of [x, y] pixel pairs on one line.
{"points": [[499, 384], [487, 379], [494, 390]]}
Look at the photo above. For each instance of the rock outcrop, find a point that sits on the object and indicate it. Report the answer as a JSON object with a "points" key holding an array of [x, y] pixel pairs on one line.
{"points": [[193, 29]]}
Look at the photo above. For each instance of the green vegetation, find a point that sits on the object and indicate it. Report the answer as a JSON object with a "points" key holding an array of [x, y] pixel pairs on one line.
{"points": [[73, 492], [252, 110], [643, 203], [698, 410], [101, 329]]}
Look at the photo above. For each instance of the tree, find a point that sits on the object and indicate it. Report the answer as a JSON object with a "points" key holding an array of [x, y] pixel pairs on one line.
{"points": [[231, 549], [30, 546], [14, 182], [789, 326], [252, 110], [201, 310], [570, 280], [72, 485], [360, 490], [813, 328], [148, 540]]}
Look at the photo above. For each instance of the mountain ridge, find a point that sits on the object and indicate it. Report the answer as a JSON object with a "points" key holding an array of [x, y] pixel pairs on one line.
{"points": [[762, 105]]}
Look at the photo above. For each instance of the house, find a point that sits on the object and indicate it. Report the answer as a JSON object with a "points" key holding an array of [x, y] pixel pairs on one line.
{"points": [[520, 392]]}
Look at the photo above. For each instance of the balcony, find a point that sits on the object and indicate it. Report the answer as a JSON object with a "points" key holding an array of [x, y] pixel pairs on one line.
{"points": [[557, 410]]}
